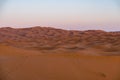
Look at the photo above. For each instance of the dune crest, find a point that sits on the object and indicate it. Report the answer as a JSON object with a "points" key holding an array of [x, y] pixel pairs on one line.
{"points": [[57, 40]]}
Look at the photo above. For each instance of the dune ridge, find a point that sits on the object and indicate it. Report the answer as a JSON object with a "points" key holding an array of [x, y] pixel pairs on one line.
{"points": [[47, 39]]}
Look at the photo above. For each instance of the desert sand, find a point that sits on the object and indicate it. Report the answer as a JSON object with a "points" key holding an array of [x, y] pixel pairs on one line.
{"points": [[30, 56], [25, 66]]}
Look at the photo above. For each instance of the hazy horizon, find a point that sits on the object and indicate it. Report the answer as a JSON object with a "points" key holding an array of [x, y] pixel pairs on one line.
{"points": [[65, 14]]}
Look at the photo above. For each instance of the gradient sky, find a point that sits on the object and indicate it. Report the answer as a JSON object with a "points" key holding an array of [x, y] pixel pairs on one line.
{"points": [[66, 14]]}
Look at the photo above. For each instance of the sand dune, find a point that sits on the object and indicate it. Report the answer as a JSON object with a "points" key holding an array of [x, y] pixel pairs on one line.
{"points": [[54, 54], [19, 64], [59, 67], [47, 39]]}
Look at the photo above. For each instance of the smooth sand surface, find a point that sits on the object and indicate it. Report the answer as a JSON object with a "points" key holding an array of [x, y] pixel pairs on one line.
{"points": [[56, 66]]}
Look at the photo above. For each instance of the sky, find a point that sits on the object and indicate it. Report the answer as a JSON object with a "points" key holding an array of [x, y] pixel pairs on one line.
{"points": [[65, 14]]}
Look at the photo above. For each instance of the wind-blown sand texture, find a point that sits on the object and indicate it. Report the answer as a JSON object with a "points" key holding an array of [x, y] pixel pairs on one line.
{"points": [[47, 39]]}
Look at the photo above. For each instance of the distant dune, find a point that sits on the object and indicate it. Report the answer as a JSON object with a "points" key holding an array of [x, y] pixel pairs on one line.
{"points": [[47, 39]]}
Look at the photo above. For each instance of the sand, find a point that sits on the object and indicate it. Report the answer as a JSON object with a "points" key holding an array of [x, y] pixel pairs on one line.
{"points": [[20, 64]]}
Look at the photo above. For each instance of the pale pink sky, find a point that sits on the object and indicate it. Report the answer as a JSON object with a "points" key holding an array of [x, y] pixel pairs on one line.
{"points": [[66, 14]]}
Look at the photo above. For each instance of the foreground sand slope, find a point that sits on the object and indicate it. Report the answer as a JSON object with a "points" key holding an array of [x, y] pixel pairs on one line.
{"points": [[56, 66]]}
